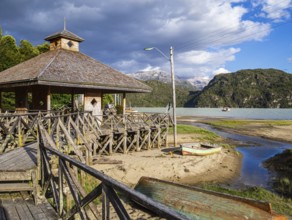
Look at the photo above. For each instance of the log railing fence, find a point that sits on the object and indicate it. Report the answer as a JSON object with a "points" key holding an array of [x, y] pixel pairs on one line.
{"points": [[85, 135], [65, 188]]}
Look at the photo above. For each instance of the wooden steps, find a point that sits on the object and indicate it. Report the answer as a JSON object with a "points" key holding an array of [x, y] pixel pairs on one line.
{"points": [[15, 187]]}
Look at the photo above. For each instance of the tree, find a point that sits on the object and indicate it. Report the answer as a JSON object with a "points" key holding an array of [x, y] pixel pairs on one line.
{"points": [[42, 48], [27, 50], [12, 54], [9, 53]]}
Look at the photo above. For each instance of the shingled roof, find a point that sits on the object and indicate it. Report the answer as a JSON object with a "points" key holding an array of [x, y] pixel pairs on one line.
{"points": [[69, 69], [65, 34]]}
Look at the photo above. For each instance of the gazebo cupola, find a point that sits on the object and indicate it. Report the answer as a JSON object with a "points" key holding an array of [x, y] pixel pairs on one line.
{"points": [[64, 40]]}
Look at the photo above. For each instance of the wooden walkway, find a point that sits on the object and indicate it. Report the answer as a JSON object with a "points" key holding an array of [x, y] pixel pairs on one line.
{"points": [[20, 159], [16, 169], [21, 207]]}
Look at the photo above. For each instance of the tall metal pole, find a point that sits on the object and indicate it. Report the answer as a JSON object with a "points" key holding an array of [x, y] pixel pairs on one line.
{"points": [[173, 97], [173, 88]]}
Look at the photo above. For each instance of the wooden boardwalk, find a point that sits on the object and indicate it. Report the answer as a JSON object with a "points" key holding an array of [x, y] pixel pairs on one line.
{"points": [[16, 169], [20, 159], [18, 206]]}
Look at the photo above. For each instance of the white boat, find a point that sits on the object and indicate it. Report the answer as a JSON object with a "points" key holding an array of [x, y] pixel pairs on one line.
{"points": [[199, 149], [225, 109]]}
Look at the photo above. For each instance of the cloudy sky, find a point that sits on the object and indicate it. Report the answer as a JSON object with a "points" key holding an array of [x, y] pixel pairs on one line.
{"points": [[208, 36]]}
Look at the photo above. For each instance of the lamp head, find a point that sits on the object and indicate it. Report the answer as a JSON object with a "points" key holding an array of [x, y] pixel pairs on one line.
{"points": [[149, 48]]}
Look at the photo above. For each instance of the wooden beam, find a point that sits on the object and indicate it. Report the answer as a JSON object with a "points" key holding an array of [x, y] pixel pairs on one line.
{"points": [[0, 101], [124, 103], [49, 99]]}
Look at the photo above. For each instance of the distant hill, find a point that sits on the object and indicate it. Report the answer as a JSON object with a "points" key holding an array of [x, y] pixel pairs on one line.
{"points": [[257, 88], [161, 95]]}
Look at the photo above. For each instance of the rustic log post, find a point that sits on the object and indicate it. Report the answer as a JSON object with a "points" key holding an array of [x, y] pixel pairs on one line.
{"points": [[34, 178], [49, 99], [61, 196], [105, 205], [138, 147], [125, 135], [19, 128], [0, 101]]}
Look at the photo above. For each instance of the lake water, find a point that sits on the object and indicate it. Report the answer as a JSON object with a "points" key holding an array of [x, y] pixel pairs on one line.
{"points": [[258, 149], [242, 113]]}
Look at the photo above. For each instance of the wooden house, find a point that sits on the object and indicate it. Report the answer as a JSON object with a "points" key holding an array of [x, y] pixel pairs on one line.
{"points": [[65, 70]]}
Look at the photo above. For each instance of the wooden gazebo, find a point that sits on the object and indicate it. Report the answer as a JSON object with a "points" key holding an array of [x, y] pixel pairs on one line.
{"points": [[65, 70]]}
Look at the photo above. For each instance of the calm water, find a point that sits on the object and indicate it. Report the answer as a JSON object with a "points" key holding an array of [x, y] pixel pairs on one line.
{"points": [[258, 149], [242, 113]]}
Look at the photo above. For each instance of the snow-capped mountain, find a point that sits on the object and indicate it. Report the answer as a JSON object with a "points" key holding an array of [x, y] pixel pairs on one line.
{"points": [[197, 82]]}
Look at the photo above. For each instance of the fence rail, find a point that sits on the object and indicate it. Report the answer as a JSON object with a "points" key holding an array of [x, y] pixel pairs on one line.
{"points": [[66, 182], [85, 135]]}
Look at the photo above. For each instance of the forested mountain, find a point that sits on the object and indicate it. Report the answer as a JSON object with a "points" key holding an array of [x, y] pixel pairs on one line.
{"points": [[258, 88], [160, 96]]}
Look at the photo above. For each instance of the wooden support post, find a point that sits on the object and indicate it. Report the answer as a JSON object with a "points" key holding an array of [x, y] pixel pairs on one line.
{"points": [[138, 147], [20, 136], [0, 101], [124, 104], [34, 178], [61, 197], [125, 135], [105, 206], [49, 99], [72, 102]]}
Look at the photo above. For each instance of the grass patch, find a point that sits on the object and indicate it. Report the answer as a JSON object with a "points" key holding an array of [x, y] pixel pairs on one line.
{"points": [[202, 134], [279, 204], [235, 124]]}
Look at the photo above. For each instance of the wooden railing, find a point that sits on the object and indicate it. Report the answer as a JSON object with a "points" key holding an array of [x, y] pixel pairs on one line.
{"points": [[16, 130], [85, 135], [63, 177]]}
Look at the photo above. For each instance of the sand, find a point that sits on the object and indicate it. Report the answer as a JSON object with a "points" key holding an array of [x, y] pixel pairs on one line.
{"points": [[168, 165]]}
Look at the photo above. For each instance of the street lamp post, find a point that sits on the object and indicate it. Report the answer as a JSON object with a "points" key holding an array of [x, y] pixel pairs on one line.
{"points": [[170, 59]]}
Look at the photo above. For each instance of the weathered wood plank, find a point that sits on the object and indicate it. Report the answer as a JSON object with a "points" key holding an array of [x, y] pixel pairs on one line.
{"points": [[22, 208], [15, 187], [23, 158], [15, 176]]}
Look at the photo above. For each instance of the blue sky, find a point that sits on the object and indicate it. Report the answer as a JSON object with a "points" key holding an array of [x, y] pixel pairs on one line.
{"points": [[208, 37]]}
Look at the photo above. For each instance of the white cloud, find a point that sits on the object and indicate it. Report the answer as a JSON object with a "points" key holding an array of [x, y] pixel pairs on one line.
{"points": [[275, 9], [203, 63], [205, 34], [290, 59]]}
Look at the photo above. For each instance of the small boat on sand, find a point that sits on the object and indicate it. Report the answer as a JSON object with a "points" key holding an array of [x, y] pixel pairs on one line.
{"points": [[199, 149], [197, 203]]}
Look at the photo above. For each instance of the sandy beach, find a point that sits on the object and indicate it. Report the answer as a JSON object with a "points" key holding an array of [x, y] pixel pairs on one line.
{"points": [[168, 165]]}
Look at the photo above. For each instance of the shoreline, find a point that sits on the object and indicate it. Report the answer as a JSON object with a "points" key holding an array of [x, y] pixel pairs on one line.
{"points": [[280, 133]]}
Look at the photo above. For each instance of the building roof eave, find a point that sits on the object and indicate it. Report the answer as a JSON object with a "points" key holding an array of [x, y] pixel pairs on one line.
{"points": [[93, 86]]}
